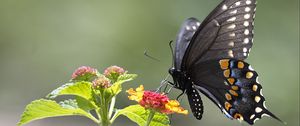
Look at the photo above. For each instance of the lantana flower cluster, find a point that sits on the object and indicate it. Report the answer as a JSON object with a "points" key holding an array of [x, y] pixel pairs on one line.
{"points": [[155, 101], [91, 74]]}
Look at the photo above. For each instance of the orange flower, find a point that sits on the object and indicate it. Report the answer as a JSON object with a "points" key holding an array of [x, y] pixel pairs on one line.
{"points": [[136, 94], [155, 101], [174, 106]]}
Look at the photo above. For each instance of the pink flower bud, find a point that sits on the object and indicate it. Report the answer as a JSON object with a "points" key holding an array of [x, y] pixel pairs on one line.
{"points": [[101, 82], [84, 73], [113, 70]]}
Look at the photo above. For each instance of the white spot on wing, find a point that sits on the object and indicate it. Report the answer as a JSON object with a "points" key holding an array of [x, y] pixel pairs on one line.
{"points": [[260, 92], [247, 9], [246, 40], [250, 68], [246, 23], [258, 110], [187, 28], [265, 115], [230, 53], [264, 104], [233, 12], [198, 23], [247, 16], [248, 2], [232, 34], [257, 80], [252, 116], [245, 49], [255, 120], [246, 32], [231, 19], [194, 27], [238, 3], [231, 43], [232, 26], [257, 99], [224, 7]]}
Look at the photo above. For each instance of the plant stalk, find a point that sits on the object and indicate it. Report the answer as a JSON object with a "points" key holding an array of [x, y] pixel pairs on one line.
{"points": [[150, 117], [112, 106]]}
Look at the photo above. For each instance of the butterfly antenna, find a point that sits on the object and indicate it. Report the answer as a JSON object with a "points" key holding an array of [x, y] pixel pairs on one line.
{"points": [[151, 57], [172, 52]]}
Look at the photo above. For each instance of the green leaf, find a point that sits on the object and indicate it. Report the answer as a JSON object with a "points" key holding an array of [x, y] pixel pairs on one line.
{"points": [[139, 115], [69, 104], [117, 86], [85, 104], [43, 108], [82, 89], [126, 77]]}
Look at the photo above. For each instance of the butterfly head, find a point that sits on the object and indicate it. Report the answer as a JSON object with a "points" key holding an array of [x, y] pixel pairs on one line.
{"points": [[178, 78]]}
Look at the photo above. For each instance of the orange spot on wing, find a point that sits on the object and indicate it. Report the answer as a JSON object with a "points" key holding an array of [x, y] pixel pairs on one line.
{"points": [[254, 87], [235, 87], [249, 75], [224, 63], [226, 73], [231, 80], [241, 64], [238, 116], [233, 93], [227, 106], [228, 96]]}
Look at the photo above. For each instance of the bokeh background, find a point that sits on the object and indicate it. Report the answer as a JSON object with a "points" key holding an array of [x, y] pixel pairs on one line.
{"points": [[43, 41]]}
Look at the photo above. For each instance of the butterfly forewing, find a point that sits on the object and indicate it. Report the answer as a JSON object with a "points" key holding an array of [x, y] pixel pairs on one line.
{"points": [[187, 30], [226, 33]]}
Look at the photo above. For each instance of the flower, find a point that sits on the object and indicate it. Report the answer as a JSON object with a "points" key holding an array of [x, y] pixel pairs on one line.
{"points": [[174, 106], [84, 72], [113, 72], [136, 95], [155, 101], [101, 82]]}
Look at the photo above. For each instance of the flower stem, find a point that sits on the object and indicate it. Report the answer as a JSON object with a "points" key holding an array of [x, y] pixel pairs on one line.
{"points": [[150, 117], [111, 107]]}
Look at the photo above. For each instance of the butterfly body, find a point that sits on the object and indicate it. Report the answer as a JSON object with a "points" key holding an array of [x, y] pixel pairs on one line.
{"points": [[209, 58]]}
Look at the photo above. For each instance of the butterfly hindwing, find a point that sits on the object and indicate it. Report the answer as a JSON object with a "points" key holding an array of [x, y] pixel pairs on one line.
{"points": [[187, 31], [233, 85]]}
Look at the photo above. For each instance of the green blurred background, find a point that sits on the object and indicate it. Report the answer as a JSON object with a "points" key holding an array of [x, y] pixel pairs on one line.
{"points": [[43, 41]]}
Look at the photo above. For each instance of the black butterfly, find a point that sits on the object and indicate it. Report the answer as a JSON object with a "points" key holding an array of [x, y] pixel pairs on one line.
{"points": [[209, 57]]}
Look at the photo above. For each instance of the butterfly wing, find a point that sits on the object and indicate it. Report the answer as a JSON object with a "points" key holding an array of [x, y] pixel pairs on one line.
{"points": [[187, 30], [233, 86], [226, 33]]}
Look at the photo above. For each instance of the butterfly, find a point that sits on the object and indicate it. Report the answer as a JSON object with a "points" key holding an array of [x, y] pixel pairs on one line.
{"points": [[209, 58]]}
